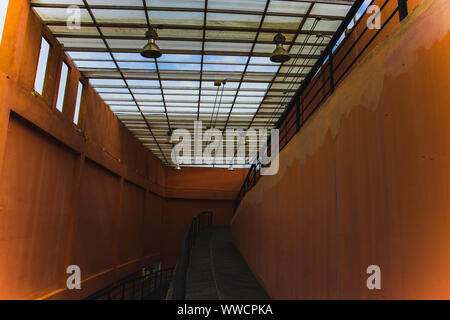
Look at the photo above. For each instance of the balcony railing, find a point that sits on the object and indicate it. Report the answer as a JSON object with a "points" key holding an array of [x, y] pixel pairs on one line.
{"points": [[177, 287], [152, 286]]}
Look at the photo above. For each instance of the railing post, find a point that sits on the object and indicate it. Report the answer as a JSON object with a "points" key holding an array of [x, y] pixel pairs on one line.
{"points": [[193, 233], [331, 72], [142, 288], [297, 120], [402, 9]]}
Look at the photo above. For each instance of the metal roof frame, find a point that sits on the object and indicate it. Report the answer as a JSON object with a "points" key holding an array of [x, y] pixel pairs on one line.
{"points": [[153, 97]]}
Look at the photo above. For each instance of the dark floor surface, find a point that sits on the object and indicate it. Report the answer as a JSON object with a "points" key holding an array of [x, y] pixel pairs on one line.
{"points": [[217, 271]]}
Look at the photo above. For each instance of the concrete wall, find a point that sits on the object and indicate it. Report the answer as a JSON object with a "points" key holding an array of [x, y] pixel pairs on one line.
{"points": [[365, 181], [89, 195]]}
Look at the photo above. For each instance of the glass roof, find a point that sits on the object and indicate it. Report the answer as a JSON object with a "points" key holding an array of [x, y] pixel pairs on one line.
{"points": [[202, 41]]}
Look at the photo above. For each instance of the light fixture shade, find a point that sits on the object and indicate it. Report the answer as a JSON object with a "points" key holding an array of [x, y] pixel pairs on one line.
{"points": [[231, 168], [151, 50], [178, 167], [279, 54]]}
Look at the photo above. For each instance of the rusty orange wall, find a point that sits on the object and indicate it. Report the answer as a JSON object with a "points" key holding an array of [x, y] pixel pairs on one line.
{"points": [[365, 181], [204, 183], [193, 190], [357, 42], [177, 215], [90, 195]]}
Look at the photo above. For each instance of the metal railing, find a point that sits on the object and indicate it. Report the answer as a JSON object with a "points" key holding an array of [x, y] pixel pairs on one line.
{"points": [[329, 70], [152, 286], [177, 287]]}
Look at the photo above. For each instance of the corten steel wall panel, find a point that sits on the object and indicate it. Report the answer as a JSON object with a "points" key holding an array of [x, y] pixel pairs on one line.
{"points": [[35, 198], [130, 223], [101, 137], [152, 232], [366, 180], [178, 213], [93, 239], [14, 29], [204, 183]]}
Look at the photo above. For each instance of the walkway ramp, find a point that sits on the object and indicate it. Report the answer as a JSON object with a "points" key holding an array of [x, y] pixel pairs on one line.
{"points": [[217, 270]]}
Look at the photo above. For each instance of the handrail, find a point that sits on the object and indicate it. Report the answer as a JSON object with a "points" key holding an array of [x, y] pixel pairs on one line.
{"points": [[177, 288], [137, 288], [327, 73]]}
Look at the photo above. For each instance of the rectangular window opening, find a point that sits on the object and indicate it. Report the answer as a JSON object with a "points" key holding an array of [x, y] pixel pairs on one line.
{"points": [[62, 86], [42, 66], [78, 103], [3, 9]]}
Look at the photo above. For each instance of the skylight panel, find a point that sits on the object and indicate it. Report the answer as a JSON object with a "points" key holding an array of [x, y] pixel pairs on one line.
{"points": [[120, 16], [180, 58], [137, 65], [149, 83], [179, 45], [250, 5], [137, 91], [283, 23], [60, 14], [179, 66], [198, 4], [228, 46], [116, 96], [113, 90], [233, 20], [131, 3], [95, 64], [94, 43], [170, 98], [272, 69], [230, 35], [62, 30], [126, 43], [68, 2], [181, 17], [329, 9], [107, 82], [223, 67], [288, 6], [225, 59], [262, 60], [75, 55], [181, 84], [149, 97], [254, 85]]}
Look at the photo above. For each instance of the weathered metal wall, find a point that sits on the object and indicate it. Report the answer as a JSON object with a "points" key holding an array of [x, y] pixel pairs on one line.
{"points": [[366, 181], [90, 195]]}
